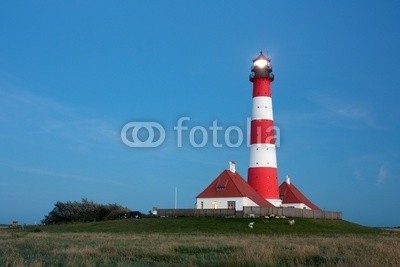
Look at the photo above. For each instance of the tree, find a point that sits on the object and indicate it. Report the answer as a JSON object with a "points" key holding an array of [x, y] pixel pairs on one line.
{"points": [[86, 210]]}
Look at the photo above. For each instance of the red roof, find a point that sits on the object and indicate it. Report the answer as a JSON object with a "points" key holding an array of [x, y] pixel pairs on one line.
{"points": [[291, 194], [231, 184]]}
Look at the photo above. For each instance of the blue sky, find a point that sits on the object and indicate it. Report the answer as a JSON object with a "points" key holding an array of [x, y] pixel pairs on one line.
{"points": [[72, 73]]}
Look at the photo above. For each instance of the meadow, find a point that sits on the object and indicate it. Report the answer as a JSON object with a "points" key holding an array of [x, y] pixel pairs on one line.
{"points": [[201, 242]]}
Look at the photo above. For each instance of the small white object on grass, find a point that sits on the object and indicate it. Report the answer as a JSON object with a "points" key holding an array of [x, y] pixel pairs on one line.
{"points": [[251, 224], [291, 222]]}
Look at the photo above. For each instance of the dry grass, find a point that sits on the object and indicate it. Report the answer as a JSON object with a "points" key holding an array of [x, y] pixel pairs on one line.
{"points": [[98, 249]]}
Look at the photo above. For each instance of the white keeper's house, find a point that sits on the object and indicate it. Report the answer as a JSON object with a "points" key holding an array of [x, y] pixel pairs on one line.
{"points": [[230, 191]]}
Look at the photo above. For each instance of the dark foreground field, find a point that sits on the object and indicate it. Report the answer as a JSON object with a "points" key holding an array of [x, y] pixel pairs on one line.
{"points": [[201, 242]]}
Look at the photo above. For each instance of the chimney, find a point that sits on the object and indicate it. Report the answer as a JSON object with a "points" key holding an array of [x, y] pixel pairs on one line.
{"points": [[287, 179], [232, 166]]}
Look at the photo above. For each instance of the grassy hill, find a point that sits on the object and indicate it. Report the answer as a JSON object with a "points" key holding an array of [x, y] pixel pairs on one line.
{"points": [[200, 242], [206, 225]]}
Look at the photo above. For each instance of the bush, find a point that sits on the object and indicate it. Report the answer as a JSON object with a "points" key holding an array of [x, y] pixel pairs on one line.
{"points": [[86, 210]]}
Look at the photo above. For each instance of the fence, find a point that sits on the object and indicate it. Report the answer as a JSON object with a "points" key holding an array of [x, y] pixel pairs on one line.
{"points": [[196, 212], [251, 211], [291, 212]]}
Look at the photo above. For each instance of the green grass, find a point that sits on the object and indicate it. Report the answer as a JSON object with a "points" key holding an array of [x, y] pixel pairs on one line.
{"points": [[201, 242], [216, 226]]}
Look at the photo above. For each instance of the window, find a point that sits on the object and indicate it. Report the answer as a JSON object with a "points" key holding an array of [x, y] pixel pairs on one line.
{"points": [[214, 205], [202, 205], [220, 188], [232, 205]]}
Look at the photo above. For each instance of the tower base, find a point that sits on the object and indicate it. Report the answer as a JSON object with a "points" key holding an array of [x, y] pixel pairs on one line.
{"points": [[265, 181]]}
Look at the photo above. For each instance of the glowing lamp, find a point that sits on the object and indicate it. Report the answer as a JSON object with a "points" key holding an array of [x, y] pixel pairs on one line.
{"points": [[261, 63]]}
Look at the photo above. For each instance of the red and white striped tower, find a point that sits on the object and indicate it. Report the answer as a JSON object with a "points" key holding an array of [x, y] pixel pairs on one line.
{"points": [[262, 173]]}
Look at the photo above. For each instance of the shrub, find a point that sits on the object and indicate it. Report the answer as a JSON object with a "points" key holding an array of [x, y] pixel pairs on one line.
{"points": [[85, 210]]}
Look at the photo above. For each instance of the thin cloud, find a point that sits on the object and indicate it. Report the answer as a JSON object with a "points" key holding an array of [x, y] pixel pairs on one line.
{"points": [[58, 174], [357, 174], [54, 174], [352, 112], [382, 175], [340, 112], [344, 113], [370, 167], [32, 114], [91, 129], [331, 111], [30, 102]]}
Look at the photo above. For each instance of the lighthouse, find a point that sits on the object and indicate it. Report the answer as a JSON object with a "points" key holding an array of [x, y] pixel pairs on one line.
{"points": [[263, 172], [229, 190]]}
